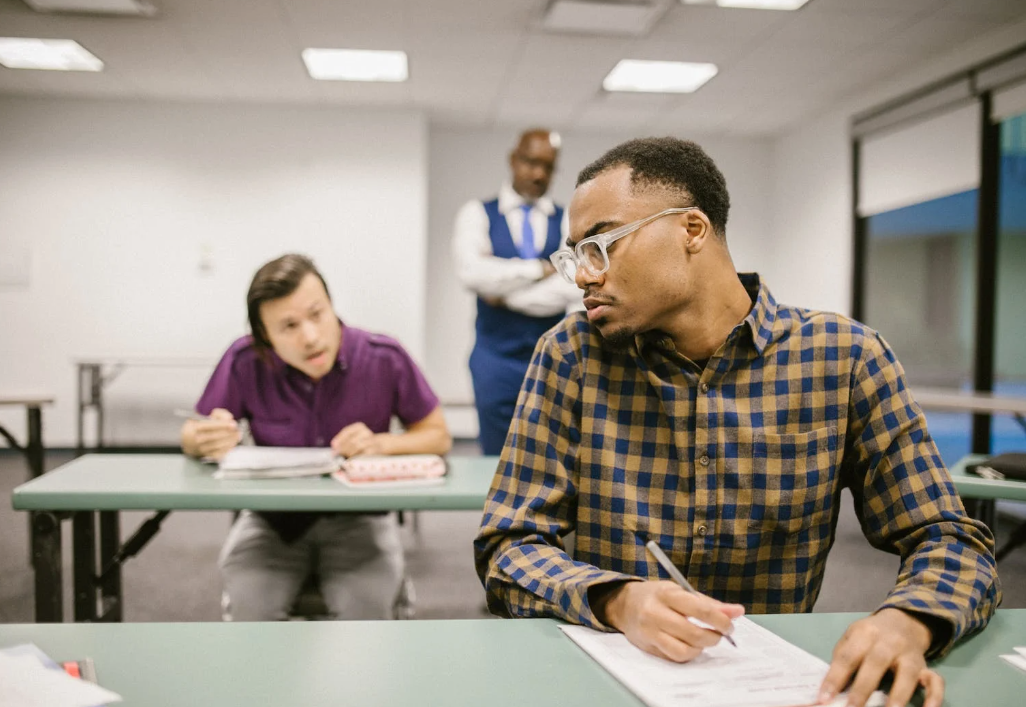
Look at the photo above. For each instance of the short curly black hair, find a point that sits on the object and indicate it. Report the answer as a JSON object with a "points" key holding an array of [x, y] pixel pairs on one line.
{"points": [[675, 165]]}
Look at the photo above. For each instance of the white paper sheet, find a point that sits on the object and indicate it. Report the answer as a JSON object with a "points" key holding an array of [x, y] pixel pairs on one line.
{"points": [[1016, 659], [763, 671], [25, 682]]}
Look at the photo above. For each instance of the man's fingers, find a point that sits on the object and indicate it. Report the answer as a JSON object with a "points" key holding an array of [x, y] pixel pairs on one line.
{"points": [[703, 608], [221, 414], [670, 612], [907, 674], [872, 670], [215, 427], [848, 654], [675, 649], [933, 686]]}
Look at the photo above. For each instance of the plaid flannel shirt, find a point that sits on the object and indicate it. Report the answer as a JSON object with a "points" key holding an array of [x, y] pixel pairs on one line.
{"points": [[736, 470]]}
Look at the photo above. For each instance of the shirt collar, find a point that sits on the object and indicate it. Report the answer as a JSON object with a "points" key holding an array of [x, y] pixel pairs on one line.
{"points": [[347, 348], [763, 317], [509, 200]]}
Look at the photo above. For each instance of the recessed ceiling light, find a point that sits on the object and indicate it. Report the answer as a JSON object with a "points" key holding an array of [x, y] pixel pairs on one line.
{"points": [[751, 4], [355, 65], [50, 54], [138, 8], [658, 76]]}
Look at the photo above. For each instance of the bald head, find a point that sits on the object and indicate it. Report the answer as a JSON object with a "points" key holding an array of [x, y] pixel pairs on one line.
{"points": [[533, 162]]}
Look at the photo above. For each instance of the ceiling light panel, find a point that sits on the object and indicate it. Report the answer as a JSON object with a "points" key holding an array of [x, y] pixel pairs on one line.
{"points": [[356, 65], [632, 18], [47, 54], [138, 8], [658, 76], [751, 4]]}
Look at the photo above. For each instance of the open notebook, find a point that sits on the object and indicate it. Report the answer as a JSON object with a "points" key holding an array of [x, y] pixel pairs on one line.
{"points": [[287, 462]]}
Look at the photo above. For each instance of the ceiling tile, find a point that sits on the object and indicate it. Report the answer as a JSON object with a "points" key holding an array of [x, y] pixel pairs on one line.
{"points": [[690, 23], [621, 111]]}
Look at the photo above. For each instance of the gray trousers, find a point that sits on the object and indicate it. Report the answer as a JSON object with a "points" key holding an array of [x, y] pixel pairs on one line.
{"points": [[358, 558]]}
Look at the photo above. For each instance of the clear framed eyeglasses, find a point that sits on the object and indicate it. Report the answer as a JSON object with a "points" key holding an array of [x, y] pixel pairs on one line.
{"points": [[591, 253]]}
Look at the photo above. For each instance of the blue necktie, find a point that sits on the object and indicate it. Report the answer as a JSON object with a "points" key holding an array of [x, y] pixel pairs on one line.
{"points": [[527, 249]]}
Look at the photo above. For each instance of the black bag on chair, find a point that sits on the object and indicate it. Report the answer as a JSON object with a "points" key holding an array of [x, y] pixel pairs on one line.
{"points": [[1010, 465]]}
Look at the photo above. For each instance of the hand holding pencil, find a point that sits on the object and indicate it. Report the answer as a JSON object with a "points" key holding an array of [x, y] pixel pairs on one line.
{"points": [[681, 580], [211, 436], [665, 618]]}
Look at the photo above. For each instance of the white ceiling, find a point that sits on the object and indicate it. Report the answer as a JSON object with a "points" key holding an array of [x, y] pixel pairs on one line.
{"points": [[488, 62]]}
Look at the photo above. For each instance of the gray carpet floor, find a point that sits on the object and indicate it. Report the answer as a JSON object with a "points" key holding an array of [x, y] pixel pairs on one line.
{"points": [[175, 577]]}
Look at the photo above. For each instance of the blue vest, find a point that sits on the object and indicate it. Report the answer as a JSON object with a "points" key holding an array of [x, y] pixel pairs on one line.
{"points": [[504, 331]]}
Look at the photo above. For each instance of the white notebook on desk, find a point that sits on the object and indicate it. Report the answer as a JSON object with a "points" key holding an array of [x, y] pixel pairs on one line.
{"points": [[357, 472], [247, 462], [763, 671]]}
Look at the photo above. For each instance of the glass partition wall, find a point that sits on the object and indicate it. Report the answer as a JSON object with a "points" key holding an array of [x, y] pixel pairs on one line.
{"points": [[939, 182], [1007, 434]]}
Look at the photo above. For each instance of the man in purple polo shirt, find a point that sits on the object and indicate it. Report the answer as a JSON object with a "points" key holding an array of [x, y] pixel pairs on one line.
{"points": [[303, 379]]}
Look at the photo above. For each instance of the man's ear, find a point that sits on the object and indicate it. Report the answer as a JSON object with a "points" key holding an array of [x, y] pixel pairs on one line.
{"points": [[699, 230]]}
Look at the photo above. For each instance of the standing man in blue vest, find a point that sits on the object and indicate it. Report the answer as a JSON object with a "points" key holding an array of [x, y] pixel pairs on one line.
{"points": [[501, 248]]}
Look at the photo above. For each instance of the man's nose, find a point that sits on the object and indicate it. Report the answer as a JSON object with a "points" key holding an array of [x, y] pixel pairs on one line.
{"points": [[309, 332], [585, 277]]}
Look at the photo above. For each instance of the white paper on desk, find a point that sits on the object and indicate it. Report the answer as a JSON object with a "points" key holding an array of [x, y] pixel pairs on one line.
{"points": [[1016, 660], [1021, 650], [25, 682], [247, 462], [763, 671]]}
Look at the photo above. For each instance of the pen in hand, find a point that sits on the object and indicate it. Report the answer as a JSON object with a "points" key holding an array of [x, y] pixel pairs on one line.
{"points": [[190, 415], [679, 578]]}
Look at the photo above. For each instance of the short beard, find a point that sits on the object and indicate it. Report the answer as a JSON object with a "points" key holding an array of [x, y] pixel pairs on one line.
{"points": [[619, 340]]}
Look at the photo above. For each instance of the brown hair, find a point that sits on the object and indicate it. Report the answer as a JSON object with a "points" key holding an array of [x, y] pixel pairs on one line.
{"points": [[274, 280]]}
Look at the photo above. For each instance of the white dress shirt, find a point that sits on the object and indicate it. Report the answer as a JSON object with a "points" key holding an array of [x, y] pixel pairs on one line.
{"points": [[519, 282]]}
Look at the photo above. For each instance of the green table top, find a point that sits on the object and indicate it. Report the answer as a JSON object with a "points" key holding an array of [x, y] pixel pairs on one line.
{"points": [[175, 482], [106, 482], [971, 486], [452, 663]]}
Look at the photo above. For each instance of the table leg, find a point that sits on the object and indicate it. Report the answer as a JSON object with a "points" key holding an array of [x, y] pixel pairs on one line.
{"points": [[46, 562], [982, 509], [34, 444], [34, 450], [90, 395], [96, 384], [80, 438], [110, 587], [84, 561]]}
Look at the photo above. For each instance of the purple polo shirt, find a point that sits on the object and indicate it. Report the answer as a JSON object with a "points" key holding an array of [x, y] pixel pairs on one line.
{"points": [[373, 379]]}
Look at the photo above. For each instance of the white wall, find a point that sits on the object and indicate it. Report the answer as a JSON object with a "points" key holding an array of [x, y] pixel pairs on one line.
{"points": [[119, 203], [811, 178], [466, 164]]}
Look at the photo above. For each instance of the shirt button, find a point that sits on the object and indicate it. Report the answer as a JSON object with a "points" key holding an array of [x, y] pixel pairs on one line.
{"points": [[703, 460], [320, 442], [704, 387], [702, 530]]}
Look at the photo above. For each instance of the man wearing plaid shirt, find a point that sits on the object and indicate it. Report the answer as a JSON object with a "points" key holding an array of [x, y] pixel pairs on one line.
{"points": [[689, 408]]}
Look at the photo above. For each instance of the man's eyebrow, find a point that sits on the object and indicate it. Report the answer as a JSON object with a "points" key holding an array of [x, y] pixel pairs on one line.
{"points": [[601, 225]]}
